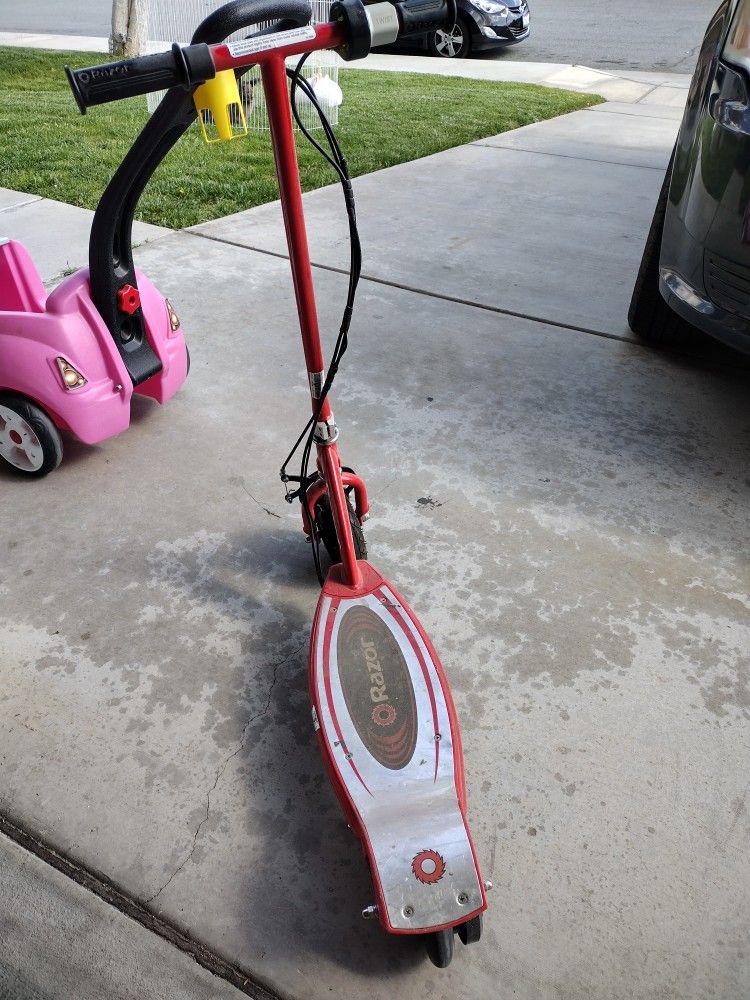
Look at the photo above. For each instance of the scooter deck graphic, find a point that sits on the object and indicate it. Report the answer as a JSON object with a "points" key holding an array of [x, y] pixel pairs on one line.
{"points": [[390, 740]]}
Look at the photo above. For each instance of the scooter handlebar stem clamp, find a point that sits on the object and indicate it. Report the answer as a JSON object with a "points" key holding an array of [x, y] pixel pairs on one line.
{"points": [[326, 432]]}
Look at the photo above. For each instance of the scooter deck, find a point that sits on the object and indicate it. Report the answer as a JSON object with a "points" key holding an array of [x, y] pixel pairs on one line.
{"points": [[389, 736]]}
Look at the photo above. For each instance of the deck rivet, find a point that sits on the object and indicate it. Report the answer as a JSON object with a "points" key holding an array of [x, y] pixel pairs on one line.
{"points": [[408, 911], [462, 898], [438, 736]]}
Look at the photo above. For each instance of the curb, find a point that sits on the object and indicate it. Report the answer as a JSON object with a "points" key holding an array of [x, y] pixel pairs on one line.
{"points": [[660, 88]]}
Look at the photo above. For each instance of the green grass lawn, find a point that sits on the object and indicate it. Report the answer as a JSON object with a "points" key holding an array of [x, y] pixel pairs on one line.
{"points": [[50, 149]]}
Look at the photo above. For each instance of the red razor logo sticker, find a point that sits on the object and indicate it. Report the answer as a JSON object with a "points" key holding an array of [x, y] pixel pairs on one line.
{"points": [[377, 687], [384, 715], [428, 867]]}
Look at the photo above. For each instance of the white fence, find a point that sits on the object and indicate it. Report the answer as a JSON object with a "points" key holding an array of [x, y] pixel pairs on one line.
{"points": [[167, 22]]}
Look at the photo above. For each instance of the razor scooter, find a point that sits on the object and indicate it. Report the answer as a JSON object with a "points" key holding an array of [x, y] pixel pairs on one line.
{"points": [[381, 705]]}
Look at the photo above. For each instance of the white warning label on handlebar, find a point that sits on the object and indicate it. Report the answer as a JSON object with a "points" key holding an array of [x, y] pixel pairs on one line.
{"points": [[262, 43]]}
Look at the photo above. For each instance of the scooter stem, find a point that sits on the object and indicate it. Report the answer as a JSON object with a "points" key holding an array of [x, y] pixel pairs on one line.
{"points": [[287, 172]]}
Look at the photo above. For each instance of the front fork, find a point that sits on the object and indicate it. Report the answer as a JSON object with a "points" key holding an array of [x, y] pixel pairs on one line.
{"points": [[351, 481], [329, 464]]}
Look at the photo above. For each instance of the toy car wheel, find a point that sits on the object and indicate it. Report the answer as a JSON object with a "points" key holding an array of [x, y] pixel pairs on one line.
{"points": [[451, 43], [440, 947], [327, 530], [29, 441], [471, 931]]}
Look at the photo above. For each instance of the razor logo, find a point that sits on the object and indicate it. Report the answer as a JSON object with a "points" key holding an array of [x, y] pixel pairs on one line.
{"points": [[377, 687], [378, 691], [103, 75]]}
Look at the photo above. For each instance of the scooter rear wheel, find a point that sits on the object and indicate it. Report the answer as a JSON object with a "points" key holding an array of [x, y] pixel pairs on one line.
{"points": [[29, 442], [439, 946], [471, 931]]}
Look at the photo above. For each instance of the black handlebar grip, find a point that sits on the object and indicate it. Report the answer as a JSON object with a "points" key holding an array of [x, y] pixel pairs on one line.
{"points": [[381, 23], [182, 66], [418, 16]]}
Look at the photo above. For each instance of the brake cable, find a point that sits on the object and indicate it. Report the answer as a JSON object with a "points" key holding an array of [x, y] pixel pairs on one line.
{"points": [[338, 162]]}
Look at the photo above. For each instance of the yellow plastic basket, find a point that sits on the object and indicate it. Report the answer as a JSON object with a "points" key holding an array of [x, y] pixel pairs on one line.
{"points": [[220, 109]]}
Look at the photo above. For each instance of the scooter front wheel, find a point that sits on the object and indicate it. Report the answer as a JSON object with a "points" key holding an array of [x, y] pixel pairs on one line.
{"points": [[327, 530], [29, 441]]}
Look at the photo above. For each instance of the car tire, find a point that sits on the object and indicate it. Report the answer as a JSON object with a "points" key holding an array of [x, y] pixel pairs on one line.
{"points": [[649, 316], [453, 44]]}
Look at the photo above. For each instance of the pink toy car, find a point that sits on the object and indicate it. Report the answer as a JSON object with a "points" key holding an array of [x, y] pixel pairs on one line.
{"points": [[60, 369], [72, 360]]}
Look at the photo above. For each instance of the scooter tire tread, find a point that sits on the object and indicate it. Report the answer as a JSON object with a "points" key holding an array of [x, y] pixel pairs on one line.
{"points": [[327, 530], [439, 947], [470, 932]]}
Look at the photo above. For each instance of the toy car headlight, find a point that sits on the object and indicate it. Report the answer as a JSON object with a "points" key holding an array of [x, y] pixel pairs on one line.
{"points": [[71, 377], [737, 46], [490, 7], [174, 319]]}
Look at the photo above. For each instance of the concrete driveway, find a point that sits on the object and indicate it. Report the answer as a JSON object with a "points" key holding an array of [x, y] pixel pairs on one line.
{"points": [[565, 509]]}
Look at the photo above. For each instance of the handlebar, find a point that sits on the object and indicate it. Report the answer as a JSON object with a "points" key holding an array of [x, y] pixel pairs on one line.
{"points": [[353, 30], [182, 66]]}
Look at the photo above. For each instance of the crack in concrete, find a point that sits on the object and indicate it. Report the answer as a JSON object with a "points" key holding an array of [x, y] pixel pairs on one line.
{"points": [[492, 855], [648, 94], [222, 769], [381, 489], [688, 55], [121, 901], [271, 513]]}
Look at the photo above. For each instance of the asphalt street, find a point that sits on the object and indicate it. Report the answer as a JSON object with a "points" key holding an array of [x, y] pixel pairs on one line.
{"points": [[76, 17], [661, 35]]}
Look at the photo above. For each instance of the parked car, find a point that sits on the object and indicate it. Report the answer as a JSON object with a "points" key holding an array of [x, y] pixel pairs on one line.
{"points": [[694, 277], [481, 24]]}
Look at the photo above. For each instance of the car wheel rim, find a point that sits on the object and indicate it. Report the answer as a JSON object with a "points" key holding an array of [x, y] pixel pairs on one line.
{"points": [[449, 43], [19, 445]]}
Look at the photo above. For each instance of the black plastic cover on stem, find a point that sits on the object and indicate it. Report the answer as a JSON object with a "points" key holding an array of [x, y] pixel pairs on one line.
{"points": [[110, 248]]}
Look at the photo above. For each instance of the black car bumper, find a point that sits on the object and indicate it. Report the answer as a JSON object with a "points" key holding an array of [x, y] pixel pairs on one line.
{"points": [[482, 42], [705, 253], [698, 310], [487, 34]]}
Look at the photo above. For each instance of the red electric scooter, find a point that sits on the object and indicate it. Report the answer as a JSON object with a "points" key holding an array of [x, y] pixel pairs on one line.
{"points": [[381, 705]]}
